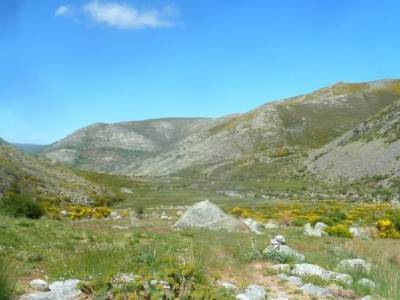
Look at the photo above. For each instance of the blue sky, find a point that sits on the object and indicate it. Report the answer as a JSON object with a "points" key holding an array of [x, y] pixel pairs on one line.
{"points": [[67, 64]]}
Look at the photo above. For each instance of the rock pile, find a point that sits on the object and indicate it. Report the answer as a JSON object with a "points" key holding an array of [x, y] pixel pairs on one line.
{"points": [[278, 250]]}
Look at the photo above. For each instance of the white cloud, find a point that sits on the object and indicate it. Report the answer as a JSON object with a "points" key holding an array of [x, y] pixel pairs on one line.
{"points": [[124, 16], [63, 10]]}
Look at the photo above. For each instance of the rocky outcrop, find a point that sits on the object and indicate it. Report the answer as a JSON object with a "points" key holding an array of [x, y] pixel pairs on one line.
{"points": [[58, 290], [306, 270], [207, 215]]}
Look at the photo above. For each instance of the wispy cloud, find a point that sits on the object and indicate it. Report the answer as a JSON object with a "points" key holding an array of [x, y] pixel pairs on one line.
{"points": [[63, 10], [121, 15]]}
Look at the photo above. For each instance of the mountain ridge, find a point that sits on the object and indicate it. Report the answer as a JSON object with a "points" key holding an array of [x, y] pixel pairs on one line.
{"points": [[167, 146]]}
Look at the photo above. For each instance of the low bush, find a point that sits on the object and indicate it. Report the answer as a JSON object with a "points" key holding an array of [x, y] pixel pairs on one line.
{"points": [[22, 205], [339, 230]]}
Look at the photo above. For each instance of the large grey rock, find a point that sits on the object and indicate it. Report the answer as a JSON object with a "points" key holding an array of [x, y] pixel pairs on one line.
{"points": [[254, 226], [304, 270], [314, 290], [59, 290], [207, 215], [253, 292], [354, 265]]}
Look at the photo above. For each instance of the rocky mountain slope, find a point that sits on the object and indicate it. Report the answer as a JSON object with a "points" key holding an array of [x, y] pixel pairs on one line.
{"points": [[211, 147], [37, 176], [372, 149]]}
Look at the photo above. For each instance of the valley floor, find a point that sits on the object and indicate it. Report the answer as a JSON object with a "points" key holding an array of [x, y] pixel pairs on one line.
{"points": [[99, 252]]}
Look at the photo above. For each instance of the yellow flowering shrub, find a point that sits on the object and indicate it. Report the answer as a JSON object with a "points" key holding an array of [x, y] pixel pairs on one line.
{"points": [[80, 212], [387, 229], [339, 230]]}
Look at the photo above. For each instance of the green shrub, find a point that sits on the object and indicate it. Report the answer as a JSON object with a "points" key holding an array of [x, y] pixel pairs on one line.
{"points": [[22, 205], [339, 230]]}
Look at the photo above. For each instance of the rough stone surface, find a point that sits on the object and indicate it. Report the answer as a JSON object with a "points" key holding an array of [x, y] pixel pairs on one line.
{"points": [[209, 216], [254, 226], [297, 281], [303, 270], [314, 290], [59, 290], [39, 285], [253, 292]]}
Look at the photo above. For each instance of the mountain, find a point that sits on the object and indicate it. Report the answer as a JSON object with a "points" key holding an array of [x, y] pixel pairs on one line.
{"points": [[29, 148], [372, 150], [222, 146], [38, 176]]}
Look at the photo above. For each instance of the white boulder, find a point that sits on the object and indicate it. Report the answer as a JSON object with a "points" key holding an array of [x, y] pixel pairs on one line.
{"points": [[209, 216], [317, 231]]}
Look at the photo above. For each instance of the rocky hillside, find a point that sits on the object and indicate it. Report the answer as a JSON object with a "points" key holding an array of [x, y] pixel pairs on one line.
{"points": [[213, 146], [372, 149], [37, 176]]}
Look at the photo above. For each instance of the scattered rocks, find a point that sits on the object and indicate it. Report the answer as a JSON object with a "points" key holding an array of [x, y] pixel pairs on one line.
{"points": [[304, 270], [278, 250], [351, 265], [317, 231], [58, 290], [254, 226], [253, 292], [207, 215], [39, 285], [366, 284], [63, 213]]}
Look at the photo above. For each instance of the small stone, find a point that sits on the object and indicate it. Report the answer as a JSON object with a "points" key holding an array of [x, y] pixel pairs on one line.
{"points": [[278, 240], [228, 285], [39, 285], [366, 283], [253, 292]]}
